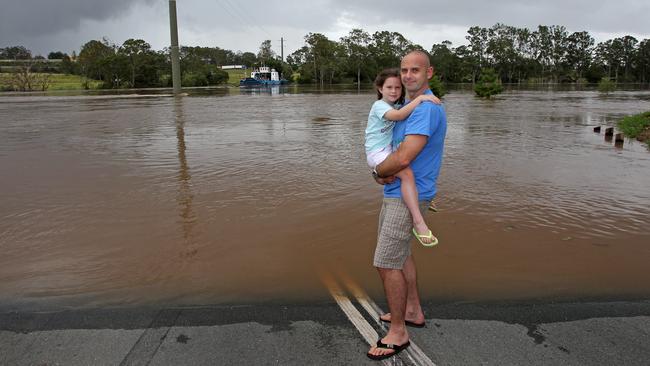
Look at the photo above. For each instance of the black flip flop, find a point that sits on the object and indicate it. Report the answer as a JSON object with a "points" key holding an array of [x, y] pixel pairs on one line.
{"points": [[394, 347], [408, 323]]}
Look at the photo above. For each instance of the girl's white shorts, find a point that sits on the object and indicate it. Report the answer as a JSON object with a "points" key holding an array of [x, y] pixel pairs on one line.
{"points": [[375, 157]]}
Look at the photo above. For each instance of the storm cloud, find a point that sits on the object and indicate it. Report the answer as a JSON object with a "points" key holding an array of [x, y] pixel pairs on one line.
{"points": [[49, 25], [42, 17]]}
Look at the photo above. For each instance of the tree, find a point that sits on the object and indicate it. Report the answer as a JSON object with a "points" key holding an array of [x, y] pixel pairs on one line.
{"points": [[467, 64], [501, 50], [437, 86], [579, 52], [541, 46], [92, 59], [356, 49], [302, 60], [24, 79], [198, 67], [606, 85], [58, 55], [137, 51], [478, 39], [322, 53], [526, 63], [388, 48], [488, 84], [265, 53], [628, 45], [247, 58], [67, 66], [15, 53], [610, 54], [558, 37], [445, 62], [643, 61]]}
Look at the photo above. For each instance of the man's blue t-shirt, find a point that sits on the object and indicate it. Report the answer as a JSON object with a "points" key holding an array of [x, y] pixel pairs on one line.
{"points": [[430, 120]]}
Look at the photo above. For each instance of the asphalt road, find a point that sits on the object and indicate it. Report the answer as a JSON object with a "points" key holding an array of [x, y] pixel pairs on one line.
{"points": [[580, 333]]}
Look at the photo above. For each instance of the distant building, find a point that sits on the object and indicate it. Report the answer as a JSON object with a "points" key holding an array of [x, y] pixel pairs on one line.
{"points": [[231, 67]]}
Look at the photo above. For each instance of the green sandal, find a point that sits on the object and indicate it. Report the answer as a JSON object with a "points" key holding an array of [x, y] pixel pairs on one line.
{"points": [[429, 235]]}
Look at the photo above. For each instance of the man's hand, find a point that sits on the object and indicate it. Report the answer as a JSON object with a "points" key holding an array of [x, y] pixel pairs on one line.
{"points": [[400, 159], [387, 180]]}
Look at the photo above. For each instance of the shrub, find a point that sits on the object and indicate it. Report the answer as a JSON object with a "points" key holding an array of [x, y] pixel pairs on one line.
{"points": [[488, 84], [606, 85], [437, 86], [636, 126]]}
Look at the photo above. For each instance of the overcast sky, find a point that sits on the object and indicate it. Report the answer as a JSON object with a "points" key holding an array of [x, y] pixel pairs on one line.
{"points": [[64, 25]]}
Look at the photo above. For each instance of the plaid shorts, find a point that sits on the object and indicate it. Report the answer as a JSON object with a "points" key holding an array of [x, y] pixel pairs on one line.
{"points": [[395, 233]]}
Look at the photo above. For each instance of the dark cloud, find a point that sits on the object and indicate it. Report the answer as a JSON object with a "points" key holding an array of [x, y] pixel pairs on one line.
{"points": [[46, 25], [46, 17]]}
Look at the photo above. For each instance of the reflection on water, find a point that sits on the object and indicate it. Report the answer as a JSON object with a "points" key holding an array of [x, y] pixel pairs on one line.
{"points": [[188, 218], [244, 195]]}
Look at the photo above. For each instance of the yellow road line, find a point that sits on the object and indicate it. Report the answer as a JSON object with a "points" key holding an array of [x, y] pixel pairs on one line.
{"points": [[414, 352]]}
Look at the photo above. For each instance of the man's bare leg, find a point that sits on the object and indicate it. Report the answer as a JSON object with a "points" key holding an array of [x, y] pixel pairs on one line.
{"points": [[413, 307], [395, 287]]}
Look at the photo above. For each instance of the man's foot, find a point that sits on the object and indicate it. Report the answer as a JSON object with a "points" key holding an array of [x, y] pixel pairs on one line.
{"points": [[415, 321], [387, 350], [389, 346]]}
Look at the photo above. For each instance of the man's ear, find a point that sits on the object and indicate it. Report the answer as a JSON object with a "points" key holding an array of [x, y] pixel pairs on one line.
{"points": [[429, 72]]}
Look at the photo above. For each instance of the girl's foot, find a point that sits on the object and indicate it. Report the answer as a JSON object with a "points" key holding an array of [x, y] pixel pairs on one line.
{"points": [[422, 231]]}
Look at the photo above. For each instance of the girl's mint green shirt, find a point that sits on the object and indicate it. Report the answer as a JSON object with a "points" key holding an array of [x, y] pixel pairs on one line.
{"points": [[379, 131]]}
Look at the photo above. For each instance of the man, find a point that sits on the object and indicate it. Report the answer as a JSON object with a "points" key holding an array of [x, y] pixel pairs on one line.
{"points": [[420, 141]]}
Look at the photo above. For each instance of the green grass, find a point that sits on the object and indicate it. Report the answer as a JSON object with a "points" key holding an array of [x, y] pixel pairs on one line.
{"points": [[71, 82], [234, 75], [57, 82], [634, 126]]}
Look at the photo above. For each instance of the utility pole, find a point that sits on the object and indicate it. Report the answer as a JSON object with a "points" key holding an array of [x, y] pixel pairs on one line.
{"points": [[176, 65]]}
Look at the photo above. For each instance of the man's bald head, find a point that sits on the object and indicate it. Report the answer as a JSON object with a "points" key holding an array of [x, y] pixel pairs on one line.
{"points": [[423, 56]]}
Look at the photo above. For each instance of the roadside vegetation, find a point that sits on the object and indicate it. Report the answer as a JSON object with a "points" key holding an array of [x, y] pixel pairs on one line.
{"points": [[48, 81], [636, 126], [546, 54]]}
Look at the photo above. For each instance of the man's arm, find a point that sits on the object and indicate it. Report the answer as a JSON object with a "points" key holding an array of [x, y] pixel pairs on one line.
{"points": [[400, 159], [406, 110]]}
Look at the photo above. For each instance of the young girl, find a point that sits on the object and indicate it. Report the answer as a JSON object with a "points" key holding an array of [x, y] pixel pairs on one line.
{"points": [[379, 134]]}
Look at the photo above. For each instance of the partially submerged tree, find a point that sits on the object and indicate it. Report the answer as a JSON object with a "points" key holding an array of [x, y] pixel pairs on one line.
{"points": [[437, 86], [606, 85], [488, 84]]}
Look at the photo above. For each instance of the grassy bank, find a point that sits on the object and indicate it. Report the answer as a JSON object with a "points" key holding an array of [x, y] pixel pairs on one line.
{"points": [[56, 82], [234, 75], [636, 126]]}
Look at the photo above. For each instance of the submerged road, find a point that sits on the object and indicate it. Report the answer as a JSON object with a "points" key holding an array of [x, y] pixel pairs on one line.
{"points": [[580, 333]]}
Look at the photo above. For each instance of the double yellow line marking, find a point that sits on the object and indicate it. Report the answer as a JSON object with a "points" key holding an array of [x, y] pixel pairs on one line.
{"points": [[414, 353]]}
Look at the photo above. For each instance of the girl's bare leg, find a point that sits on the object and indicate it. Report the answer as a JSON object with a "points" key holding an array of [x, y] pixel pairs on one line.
{"points": [[410, 197]]}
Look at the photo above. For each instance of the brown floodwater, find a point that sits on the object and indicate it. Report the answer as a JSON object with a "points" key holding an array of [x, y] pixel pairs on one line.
{"points": [[230, 196]]}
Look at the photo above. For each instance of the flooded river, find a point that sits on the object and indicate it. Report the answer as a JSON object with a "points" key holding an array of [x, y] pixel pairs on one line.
{"points": [[236, 196]]}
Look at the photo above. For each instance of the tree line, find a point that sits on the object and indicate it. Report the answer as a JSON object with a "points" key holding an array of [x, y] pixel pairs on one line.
{"points": [[548, 54]]}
